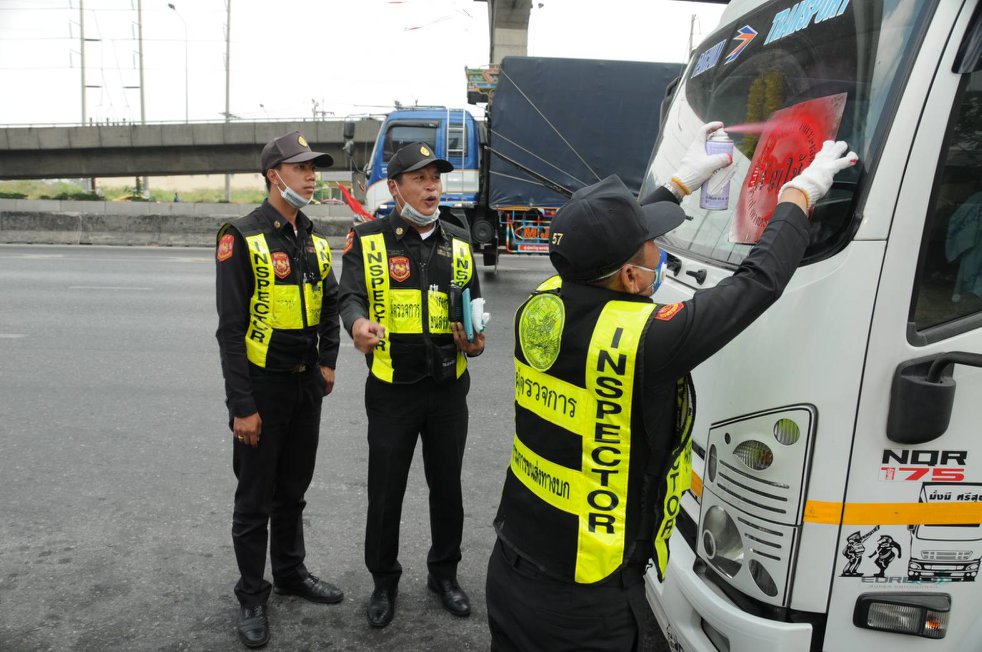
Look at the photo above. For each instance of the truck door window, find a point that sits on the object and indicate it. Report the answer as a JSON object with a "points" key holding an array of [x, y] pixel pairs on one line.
{"points": [[778, 75], [949, 277], [399, 135]]}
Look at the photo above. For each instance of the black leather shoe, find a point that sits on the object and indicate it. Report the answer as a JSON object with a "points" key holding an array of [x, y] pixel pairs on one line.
{"points": [[313, 589], [381, 607], [453, 597], [253, 626]]}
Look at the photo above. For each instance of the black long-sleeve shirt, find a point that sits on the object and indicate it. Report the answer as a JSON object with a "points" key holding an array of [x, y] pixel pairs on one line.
{"points": [[684, 335], [234, 288]]}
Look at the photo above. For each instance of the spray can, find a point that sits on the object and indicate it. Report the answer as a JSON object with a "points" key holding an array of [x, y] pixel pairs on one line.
{"points": [[715, 195]]}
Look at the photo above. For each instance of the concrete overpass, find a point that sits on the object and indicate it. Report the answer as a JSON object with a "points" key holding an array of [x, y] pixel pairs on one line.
{"points": [[163, 149], [208, 148]]}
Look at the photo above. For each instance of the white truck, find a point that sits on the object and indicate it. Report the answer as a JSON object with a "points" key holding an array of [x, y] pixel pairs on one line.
{"points": [[821, 429], [947, 551]]}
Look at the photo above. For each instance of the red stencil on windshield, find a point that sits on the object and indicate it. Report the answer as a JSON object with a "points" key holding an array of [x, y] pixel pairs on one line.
{"points": [[790, 140]]}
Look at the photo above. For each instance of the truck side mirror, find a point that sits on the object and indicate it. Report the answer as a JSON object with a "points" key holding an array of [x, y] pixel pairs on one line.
{"points": [[921, 397], [349, 130]]}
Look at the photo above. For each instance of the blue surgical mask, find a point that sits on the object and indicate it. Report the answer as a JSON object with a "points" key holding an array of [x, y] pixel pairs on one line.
{"points": [[291, 196], [659, 272]]}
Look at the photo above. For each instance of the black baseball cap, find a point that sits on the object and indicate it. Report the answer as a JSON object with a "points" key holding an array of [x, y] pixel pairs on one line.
{"points": [[602, 226], [291, 148], [413, 157]]}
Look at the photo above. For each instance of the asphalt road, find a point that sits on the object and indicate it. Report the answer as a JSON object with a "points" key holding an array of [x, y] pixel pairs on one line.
{"points": [[115, 467]]}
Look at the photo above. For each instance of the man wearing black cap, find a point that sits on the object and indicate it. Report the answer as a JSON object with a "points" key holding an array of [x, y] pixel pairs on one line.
{"points": [[604, 405], [278, 335], [400, 275]]}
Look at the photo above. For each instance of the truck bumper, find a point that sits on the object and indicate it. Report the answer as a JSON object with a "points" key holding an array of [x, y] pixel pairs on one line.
{"points": [[685, 601]]}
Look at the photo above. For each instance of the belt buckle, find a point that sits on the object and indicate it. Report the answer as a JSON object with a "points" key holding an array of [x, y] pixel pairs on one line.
{"points": [[300, 369]]}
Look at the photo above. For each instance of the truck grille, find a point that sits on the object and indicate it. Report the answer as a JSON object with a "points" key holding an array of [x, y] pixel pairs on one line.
{"points": [[771, 497], [753, 499], [946, 555]]}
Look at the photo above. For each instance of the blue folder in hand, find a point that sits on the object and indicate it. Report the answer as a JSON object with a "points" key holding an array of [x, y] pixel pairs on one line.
{"points": [[468, 320]]}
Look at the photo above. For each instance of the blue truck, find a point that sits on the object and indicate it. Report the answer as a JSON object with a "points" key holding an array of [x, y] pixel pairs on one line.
{"points": [[550, 126]]}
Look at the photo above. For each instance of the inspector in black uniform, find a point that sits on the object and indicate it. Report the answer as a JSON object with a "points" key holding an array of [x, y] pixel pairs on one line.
{"points": [[277, 300], [418, 382], [604, 408]]}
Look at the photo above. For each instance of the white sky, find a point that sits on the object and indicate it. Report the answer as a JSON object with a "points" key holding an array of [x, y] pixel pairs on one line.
{"points": [[347, 56]]}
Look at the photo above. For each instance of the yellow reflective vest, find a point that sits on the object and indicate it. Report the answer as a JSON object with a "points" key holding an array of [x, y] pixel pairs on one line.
{"points": [[576, 482], [287, 293], [411, 301]]}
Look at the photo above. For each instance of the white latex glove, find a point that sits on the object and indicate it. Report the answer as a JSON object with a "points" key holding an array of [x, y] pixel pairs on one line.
{"points": [[697, 166], [816, 179]]}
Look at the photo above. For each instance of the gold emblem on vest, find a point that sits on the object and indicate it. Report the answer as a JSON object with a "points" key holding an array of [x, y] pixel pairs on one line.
{"points": [[540, 330], [281, 264], [399, 268]]}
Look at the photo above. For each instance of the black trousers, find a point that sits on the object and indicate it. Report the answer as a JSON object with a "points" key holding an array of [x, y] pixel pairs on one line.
{"points": [[529, 611], [273, 478], [397, 416]]}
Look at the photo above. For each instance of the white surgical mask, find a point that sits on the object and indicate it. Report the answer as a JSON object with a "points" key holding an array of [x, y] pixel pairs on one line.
{"points": [[419, 219], [291, 196]]}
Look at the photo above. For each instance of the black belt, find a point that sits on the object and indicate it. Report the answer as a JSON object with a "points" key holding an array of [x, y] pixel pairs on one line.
{"points": [[627, 575], [262, 371]]}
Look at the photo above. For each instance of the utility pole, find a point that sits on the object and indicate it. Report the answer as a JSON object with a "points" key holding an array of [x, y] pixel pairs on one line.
{"points": [[143, 113], [228, 68], [81, 49], [88, 185]]}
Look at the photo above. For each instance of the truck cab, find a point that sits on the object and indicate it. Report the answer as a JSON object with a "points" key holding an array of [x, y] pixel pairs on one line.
{"points": [[453, 134], [819, 429]]}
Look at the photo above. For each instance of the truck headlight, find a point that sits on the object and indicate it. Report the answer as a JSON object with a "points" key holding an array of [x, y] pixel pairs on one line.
{"points": [[786, 432], [755, 454], [711, 463], [915, 565], [722, 542], [914, 614]]}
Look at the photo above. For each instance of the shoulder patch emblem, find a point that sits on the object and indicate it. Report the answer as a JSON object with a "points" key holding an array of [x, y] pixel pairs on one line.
{"points": [[349, 242], [540, 330], [667, 312], [399, 268], [281, 264], [224, 251]]}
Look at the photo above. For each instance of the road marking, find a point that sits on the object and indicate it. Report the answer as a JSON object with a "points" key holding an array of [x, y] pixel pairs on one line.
{"points": [[11, 336], [105, 287]]}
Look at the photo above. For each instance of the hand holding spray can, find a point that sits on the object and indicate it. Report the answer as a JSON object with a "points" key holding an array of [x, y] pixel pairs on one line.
{"points": [[715, 195]]}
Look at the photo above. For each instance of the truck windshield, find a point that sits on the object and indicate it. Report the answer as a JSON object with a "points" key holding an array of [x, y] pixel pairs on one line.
{"points": [[399, 135], [783, 78], [970, 532]]}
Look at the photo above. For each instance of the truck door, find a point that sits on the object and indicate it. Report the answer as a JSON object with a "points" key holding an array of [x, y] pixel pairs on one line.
{"points": [[912, 505]]}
